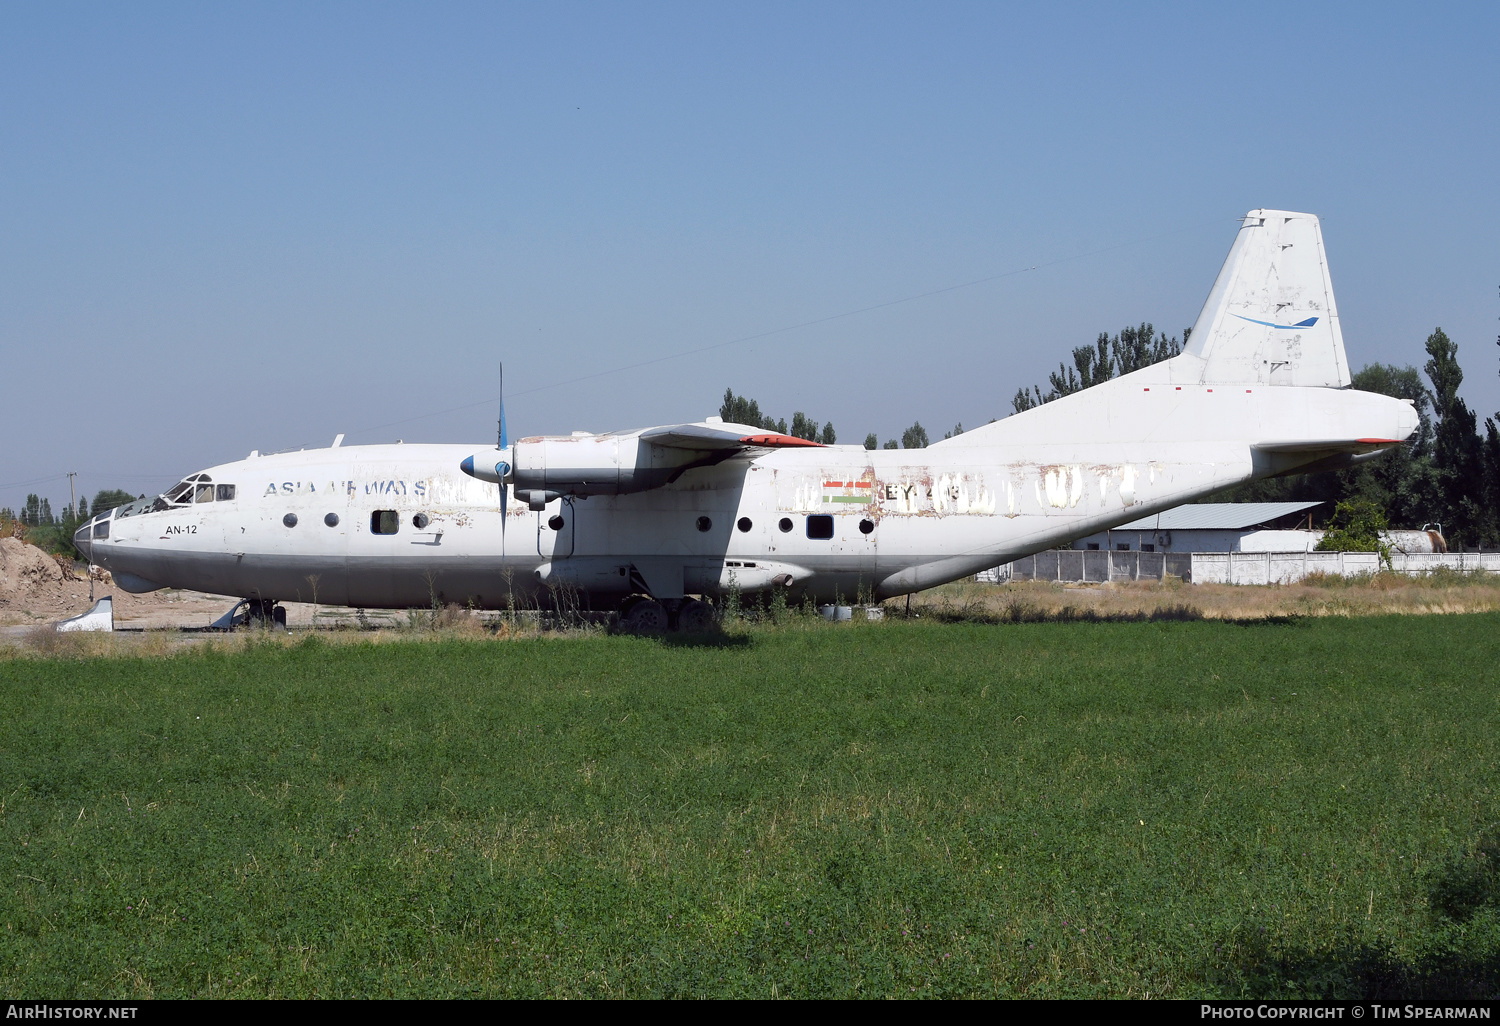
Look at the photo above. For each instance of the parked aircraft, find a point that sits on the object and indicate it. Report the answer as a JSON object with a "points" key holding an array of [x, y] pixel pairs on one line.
{"points": [[659, 522]]}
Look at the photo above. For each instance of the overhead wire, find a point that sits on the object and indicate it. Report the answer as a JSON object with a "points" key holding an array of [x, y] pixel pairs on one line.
{"points": [[740, 340]]}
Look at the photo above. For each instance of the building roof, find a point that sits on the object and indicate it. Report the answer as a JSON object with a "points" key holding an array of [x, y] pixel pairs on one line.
{"points": [[1224, 516]]}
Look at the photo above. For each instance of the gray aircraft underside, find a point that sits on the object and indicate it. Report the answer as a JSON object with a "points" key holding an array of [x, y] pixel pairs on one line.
{"points": [[700, 509]]}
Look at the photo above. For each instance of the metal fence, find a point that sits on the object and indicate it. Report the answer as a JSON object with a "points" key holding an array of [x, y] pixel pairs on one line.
{"points": [[1079, 566]]}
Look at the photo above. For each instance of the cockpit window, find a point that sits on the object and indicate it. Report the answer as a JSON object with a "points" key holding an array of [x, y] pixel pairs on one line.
{"points": [[204, 493], [180, 493], [226, 492]]}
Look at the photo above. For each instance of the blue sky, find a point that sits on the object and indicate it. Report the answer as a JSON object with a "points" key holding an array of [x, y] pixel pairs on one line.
{"points": [[234, 227]]}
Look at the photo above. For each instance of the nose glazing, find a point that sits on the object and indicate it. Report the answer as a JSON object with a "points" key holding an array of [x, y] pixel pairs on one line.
{"points": [[83, 540]]}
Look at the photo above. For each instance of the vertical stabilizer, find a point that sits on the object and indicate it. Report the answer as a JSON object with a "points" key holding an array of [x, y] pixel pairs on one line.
{"points": [[1270, 318]]}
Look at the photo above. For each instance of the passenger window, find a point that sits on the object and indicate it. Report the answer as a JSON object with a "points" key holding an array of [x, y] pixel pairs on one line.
{"points": [[226, 492], [205, 493], [820, 526], [384, 521]]}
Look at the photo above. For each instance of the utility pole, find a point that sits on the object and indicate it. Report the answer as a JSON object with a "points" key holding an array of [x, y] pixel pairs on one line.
{"points": [[73, 495]]}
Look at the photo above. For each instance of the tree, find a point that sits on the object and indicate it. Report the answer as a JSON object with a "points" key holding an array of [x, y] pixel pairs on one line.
{"points": [[828, 437], [802, 427], [1356, 526], [37, 512], [891, 443], [1490, 458], [914, 437], [871, 442], [1456, 450], [736, 409], [958, 429], [109, 498], [1024, 400], [1401, 481], [1128, 351]]}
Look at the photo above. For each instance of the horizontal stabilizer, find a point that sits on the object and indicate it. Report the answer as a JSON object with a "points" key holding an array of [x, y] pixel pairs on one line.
{"points": [[1328, 445]]}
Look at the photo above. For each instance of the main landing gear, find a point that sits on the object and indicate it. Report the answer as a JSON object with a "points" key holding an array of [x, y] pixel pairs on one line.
{"points": [[253, 613], [642, 615]]}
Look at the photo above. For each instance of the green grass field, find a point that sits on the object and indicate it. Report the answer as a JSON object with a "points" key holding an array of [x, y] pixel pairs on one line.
{"points": [[894, 809]]}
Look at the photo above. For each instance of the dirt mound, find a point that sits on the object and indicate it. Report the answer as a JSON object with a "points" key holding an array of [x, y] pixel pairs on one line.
{"points": [[29, 577], [36, 588]]}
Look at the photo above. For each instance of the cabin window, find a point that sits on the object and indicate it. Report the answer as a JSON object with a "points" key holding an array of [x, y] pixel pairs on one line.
{"points": [[204, 493], [420, 521], [290, 520], [705, 524], [226, 493], [785, 525], [744, 524], [384, 521], [332, 519], [866, 526], [556, 522], [820, 526]]}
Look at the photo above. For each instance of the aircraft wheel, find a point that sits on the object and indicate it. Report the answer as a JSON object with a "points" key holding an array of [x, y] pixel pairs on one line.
{"points": [[695, 617], [645, 617]]}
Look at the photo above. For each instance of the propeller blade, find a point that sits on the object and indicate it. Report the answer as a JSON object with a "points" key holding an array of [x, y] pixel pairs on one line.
{"points": [[502, 443], [502, 467]]}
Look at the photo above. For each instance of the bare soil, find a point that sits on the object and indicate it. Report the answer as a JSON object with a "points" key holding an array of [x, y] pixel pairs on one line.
{"points": [[36, 588]]}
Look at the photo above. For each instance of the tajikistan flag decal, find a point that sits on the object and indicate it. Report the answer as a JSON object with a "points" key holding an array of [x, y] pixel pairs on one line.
{"points": [[861, 491]]}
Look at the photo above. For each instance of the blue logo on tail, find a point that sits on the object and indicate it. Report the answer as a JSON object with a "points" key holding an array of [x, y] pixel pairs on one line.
{"points": [[1284, 327]]}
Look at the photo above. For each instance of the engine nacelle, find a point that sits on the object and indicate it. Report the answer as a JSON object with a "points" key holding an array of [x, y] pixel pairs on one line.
{"points": [[595, 464]]}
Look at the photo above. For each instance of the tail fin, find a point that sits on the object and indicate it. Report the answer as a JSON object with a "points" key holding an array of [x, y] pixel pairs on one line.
{"points": [[1270, 318]]}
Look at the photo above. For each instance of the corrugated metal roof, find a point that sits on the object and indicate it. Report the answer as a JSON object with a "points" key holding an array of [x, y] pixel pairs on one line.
{"points": [[1224, 516]]}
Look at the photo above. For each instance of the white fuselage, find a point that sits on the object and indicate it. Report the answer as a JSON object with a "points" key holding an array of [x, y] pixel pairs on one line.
{"points": [[901, 520]]}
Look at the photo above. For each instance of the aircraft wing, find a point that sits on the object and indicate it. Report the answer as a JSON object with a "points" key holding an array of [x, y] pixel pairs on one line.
{"points": [[720, 438]]}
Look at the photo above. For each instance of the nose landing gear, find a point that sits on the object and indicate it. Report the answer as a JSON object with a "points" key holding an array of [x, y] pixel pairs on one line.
{"points": [[253, 613]]}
